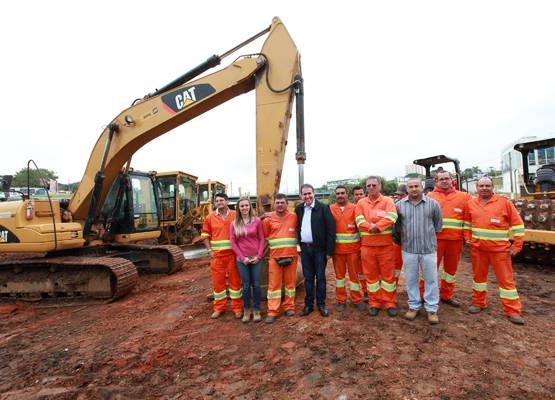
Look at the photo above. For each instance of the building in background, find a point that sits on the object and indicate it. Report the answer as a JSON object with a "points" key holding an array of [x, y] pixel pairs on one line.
{"points": [[512, 159], [414, 169], [348, 181]]}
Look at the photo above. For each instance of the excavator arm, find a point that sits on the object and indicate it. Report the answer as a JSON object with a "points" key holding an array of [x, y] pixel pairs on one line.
{"points": [[274, 69]]}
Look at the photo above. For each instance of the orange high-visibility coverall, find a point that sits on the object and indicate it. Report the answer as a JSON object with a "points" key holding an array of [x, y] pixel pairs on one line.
{"points": [[450, 240], [488, 227], [216, 230], [283, 243], [347, 249], [377, 249]]}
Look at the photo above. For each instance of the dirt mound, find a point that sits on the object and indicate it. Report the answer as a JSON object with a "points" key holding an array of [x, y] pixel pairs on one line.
{"points": [[160, 343]]}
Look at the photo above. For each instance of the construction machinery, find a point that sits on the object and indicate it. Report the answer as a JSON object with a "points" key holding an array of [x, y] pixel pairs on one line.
{"points": [[184, 204], [534, 202], [91, 242], [430, 162]]}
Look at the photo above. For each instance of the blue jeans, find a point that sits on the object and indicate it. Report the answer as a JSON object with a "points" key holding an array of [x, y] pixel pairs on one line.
{"points": [[314, 267], [428, 264], [250, 276]]}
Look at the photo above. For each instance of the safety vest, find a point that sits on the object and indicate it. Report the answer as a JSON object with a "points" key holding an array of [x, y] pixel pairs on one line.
{"points": [[383, 213], [452, 208], [217, 231], [488, 226], [347, 239], [281, 235]]}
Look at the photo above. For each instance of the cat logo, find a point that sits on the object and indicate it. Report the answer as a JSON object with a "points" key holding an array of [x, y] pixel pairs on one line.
{"points": [[180, 99], [3, 236]]}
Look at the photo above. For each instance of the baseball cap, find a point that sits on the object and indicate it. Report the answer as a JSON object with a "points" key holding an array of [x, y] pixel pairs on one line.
{"points": [[402, 189]]}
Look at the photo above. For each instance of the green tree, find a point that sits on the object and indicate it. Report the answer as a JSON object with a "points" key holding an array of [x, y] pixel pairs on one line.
{"points": [[20, 178]]}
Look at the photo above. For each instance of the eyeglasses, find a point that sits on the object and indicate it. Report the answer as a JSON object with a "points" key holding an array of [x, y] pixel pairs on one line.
{"points": [[373, 185], [444, 179]]}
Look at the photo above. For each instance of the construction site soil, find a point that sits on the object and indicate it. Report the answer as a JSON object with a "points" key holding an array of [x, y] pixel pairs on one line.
{"points": [[160, 343]]}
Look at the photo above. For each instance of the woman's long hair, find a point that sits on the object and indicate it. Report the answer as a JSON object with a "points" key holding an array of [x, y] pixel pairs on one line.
{"points": [[238, 225]]}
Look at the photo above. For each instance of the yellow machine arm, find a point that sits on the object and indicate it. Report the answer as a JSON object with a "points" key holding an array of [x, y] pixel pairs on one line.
{"points": [[275, 68]]}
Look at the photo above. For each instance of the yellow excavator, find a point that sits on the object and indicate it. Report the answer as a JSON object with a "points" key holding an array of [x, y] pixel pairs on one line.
{"points": [[91, 242]]}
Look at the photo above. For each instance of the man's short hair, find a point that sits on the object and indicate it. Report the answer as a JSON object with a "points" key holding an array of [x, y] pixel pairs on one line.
{"points": [[487, 177], [374, 177], [307, 185], [414, 179], [357, 187], [341, 187], [280, 196], [444, 172], [222, 195]]}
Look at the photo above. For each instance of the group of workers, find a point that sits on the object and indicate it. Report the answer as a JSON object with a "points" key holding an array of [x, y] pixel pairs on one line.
{"points": [[369, 241]]}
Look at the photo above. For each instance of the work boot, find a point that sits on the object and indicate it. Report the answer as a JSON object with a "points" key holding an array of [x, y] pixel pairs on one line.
{"points": [[433, 318], [361, 306], [474, 309], [216, 314], [452, 302], [365, 298], [246, 315], [270, 319], [392, 311], [341, 307], [373, 311], [412, 314], [256, 316], [239, 314], [516, 319], [290, 313]]}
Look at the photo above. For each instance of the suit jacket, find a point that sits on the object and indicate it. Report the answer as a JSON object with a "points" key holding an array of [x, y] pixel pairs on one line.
{"points": [[322, 224]]}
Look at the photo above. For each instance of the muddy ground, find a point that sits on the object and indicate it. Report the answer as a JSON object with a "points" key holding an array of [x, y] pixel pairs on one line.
{"points": [[160, 343]]}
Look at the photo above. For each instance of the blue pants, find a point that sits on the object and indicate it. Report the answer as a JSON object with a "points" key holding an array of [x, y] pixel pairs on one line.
{"points": [[314, 268], [250, 276], [428, 265]]}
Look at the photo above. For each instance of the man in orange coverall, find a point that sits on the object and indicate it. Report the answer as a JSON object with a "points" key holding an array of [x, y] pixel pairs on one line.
{"points": [[450, 239], [487, 220], [401, 194], [375, 216], [358, 194], [347, 250], [280, 228], [215, 235]]}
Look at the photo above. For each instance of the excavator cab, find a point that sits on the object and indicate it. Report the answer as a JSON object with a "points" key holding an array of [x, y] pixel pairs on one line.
{"points": [[131, 205], [430, 162]]}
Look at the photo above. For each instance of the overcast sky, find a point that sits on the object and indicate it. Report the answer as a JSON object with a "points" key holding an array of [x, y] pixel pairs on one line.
{"points": [[385, 82]]}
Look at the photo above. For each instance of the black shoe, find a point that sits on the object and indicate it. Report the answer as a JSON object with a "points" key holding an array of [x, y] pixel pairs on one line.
{"points": [[324, 311], [452, 302], [341, 307], [373, 311], [392, 311], [306, 311]]}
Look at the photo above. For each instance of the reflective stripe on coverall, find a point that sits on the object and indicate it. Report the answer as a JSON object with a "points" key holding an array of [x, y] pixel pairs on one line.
{"points": [[283, 243], [346, 254], [377, 254], [488, 227]]}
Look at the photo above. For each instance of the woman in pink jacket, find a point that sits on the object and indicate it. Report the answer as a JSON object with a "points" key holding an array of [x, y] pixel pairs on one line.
{"points": [[247, 241]]}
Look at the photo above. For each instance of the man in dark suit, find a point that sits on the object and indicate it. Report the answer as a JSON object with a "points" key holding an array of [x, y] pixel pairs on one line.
{"points": [[316, 234]]}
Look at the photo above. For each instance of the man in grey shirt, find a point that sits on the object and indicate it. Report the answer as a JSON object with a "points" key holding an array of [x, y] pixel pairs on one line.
{"points": [[419, 218]]}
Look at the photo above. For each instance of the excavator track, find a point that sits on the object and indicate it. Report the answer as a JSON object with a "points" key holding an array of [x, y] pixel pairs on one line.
{"points": [[59, 279], [165, 259]]}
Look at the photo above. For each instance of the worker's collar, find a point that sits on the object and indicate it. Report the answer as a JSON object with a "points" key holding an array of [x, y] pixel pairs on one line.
{"points": [[223, 216]]}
